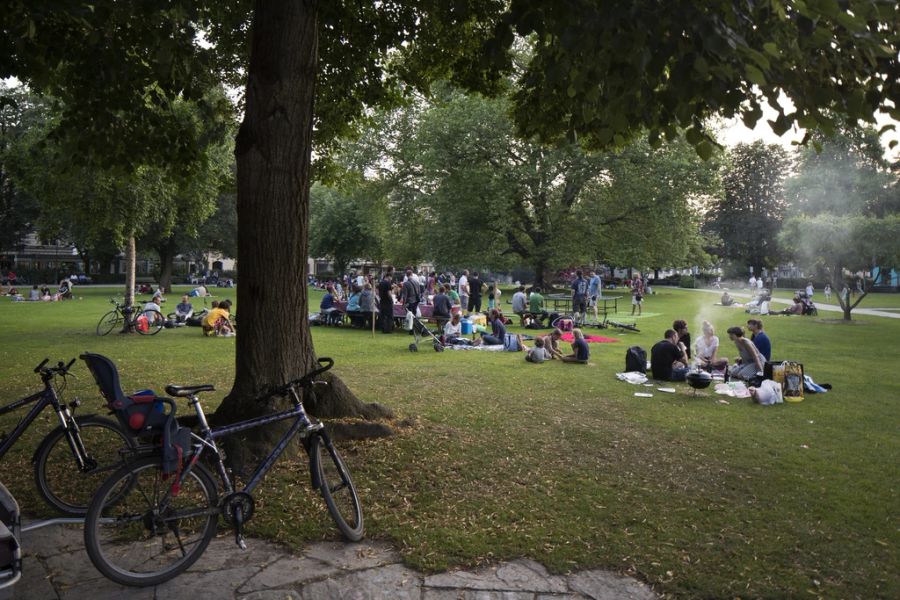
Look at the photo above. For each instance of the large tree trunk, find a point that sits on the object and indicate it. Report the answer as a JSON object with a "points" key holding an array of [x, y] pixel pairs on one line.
{"points": [[166, 253], [273, 168]]}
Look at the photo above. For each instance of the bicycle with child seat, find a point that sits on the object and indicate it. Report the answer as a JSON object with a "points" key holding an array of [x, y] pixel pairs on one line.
{"points": [[143, 528], [145, 322], [72, 461]]}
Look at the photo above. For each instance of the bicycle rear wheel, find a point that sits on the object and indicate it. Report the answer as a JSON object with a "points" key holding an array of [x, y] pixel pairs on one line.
{"points": [[155, 323], [110, 321], [138, 533], [336, 487], [59, 480]]}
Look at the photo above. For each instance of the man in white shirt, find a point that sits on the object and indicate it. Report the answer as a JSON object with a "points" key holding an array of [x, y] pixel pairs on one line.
{"points": [[464, 289]]}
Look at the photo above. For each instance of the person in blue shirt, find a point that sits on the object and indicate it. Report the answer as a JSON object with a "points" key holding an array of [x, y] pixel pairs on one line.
{"points": [[760, 339], [580, 350], [595, 291], [327, 308], [579, 297]]}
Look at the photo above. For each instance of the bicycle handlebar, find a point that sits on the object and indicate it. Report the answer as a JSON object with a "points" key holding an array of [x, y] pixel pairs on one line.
{"points": [[60, 369], [281, 390]]}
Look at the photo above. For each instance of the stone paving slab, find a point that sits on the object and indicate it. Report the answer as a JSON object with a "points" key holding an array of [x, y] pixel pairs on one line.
{"points": [[57, 568]]}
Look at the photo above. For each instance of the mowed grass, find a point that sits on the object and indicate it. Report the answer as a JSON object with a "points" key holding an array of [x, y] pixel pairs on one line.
{"points": [[562, 463]]}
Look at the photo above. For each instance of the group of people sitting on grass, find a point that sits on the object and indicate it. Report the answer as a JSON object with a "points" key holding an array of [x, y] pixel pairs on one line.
{"points": [[41, 293], [544, 348], [672, 358]]}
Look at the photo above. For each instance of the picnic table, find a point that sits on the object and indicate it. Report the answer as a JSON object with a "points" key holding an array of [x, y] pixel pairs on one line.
{"points": [[562, 303]]}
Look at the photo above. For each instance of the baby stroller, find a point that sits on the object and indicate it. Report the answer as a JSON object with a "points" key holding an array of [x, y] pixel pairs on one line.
{"points": [[420, 331], [809, 308]]}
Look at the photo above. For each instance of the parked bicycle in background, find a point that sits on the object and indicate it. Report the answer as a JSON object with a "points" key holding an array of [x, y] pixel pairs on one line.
{"points": [[131, 318]]}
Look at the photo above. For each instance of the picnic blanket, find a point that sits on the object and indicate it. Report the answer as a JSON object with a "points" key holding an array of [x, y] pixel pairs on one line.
{"points": [[489, 348], [590, 339]]}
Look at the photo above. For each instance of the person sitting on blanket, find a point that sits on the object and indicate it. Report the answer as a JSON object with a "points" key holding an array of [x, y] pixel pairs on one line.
{"points": [[498, 330], [750, 361], [551, 343], [538, 354], [453, 333], [727, 300], [580, 350], [668, 358]]}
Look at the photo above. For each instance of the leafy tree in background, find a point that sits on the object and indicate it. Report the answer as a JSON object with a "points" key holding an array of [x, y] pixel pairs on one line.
{"points": [[842, 246], [18, 209], [747, 217], [605, 71], [847, 176], [345, 226]]}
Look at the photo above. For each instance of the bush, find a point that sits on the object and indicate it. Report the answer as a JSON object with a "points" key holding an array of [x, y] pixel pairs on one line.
{"points": [[687, 281]]}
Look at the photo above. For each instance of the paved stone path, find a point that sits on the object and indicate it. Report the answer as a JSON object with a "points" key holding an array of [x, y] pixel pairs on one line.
{"points": [[58, 568], [871, 312]]}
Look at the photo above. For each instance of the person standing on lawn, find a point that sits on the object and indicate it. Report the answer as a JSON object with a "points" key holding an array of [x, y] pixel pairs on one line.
{"points": [[637, 295], [475, 292], [463, 287], [579, 297], [595, 290], [386, 301]]}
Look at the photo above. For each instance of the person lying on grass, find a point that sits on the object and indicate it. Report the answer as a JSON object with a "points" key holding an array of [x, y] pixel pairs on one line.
{"points": [[580, 350]]}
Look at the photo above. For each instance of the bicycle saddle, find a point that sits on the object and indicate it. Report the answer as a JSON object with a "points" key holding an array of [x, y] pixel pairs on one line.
{"points": [[183, 391]]}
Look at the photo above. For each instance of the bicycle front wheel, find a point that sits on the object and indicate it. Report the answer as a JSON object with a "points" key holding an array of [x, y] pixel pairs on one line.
{"points": [[336, 487], [60, 482], [155, 322], [138, 532], [110, 321]]}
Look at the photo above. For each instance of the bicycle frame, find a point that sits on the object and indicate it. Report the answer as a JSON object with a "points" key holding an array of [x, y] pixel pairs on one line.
{"points": [[210, 435], [44, 398]]}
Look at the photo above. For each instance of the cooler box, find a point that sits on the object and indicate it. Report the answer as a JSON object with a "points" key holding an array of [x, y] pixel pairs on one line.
{"points": [[466, 327]]}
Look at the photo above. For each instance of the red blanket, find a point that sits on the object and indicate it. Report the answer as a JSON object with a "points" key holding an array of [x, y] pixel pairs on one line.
{"points": [[590, 339]]}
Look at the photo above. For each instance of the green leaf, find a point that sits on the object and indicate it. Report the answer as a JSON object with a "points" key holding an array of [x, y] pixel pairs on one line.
{"points": [[704, 150], [754, 75], [771, 49], [701, 66]]}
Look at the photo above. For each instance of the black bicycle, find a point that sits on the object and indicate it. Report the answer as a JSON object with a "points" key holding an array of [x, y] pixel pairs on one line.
{"points": [[72, 460], [144, 527], [145, 322]]}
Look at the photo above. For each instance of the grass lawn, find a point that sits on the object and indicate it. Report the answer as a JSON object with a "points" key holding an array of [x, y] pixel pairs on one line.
{"points": [[561, 463]]}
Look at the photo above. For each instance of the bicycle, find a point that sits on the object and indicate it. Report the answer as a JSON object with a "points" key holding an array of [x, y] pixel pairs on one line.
{"points": [[95, 443], [145, 322], [144, 528]]}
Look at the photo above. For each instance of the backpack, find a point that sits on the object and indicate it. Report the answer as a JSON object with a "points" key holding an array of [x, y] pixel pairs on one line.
{"points": [[636, 360]]}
